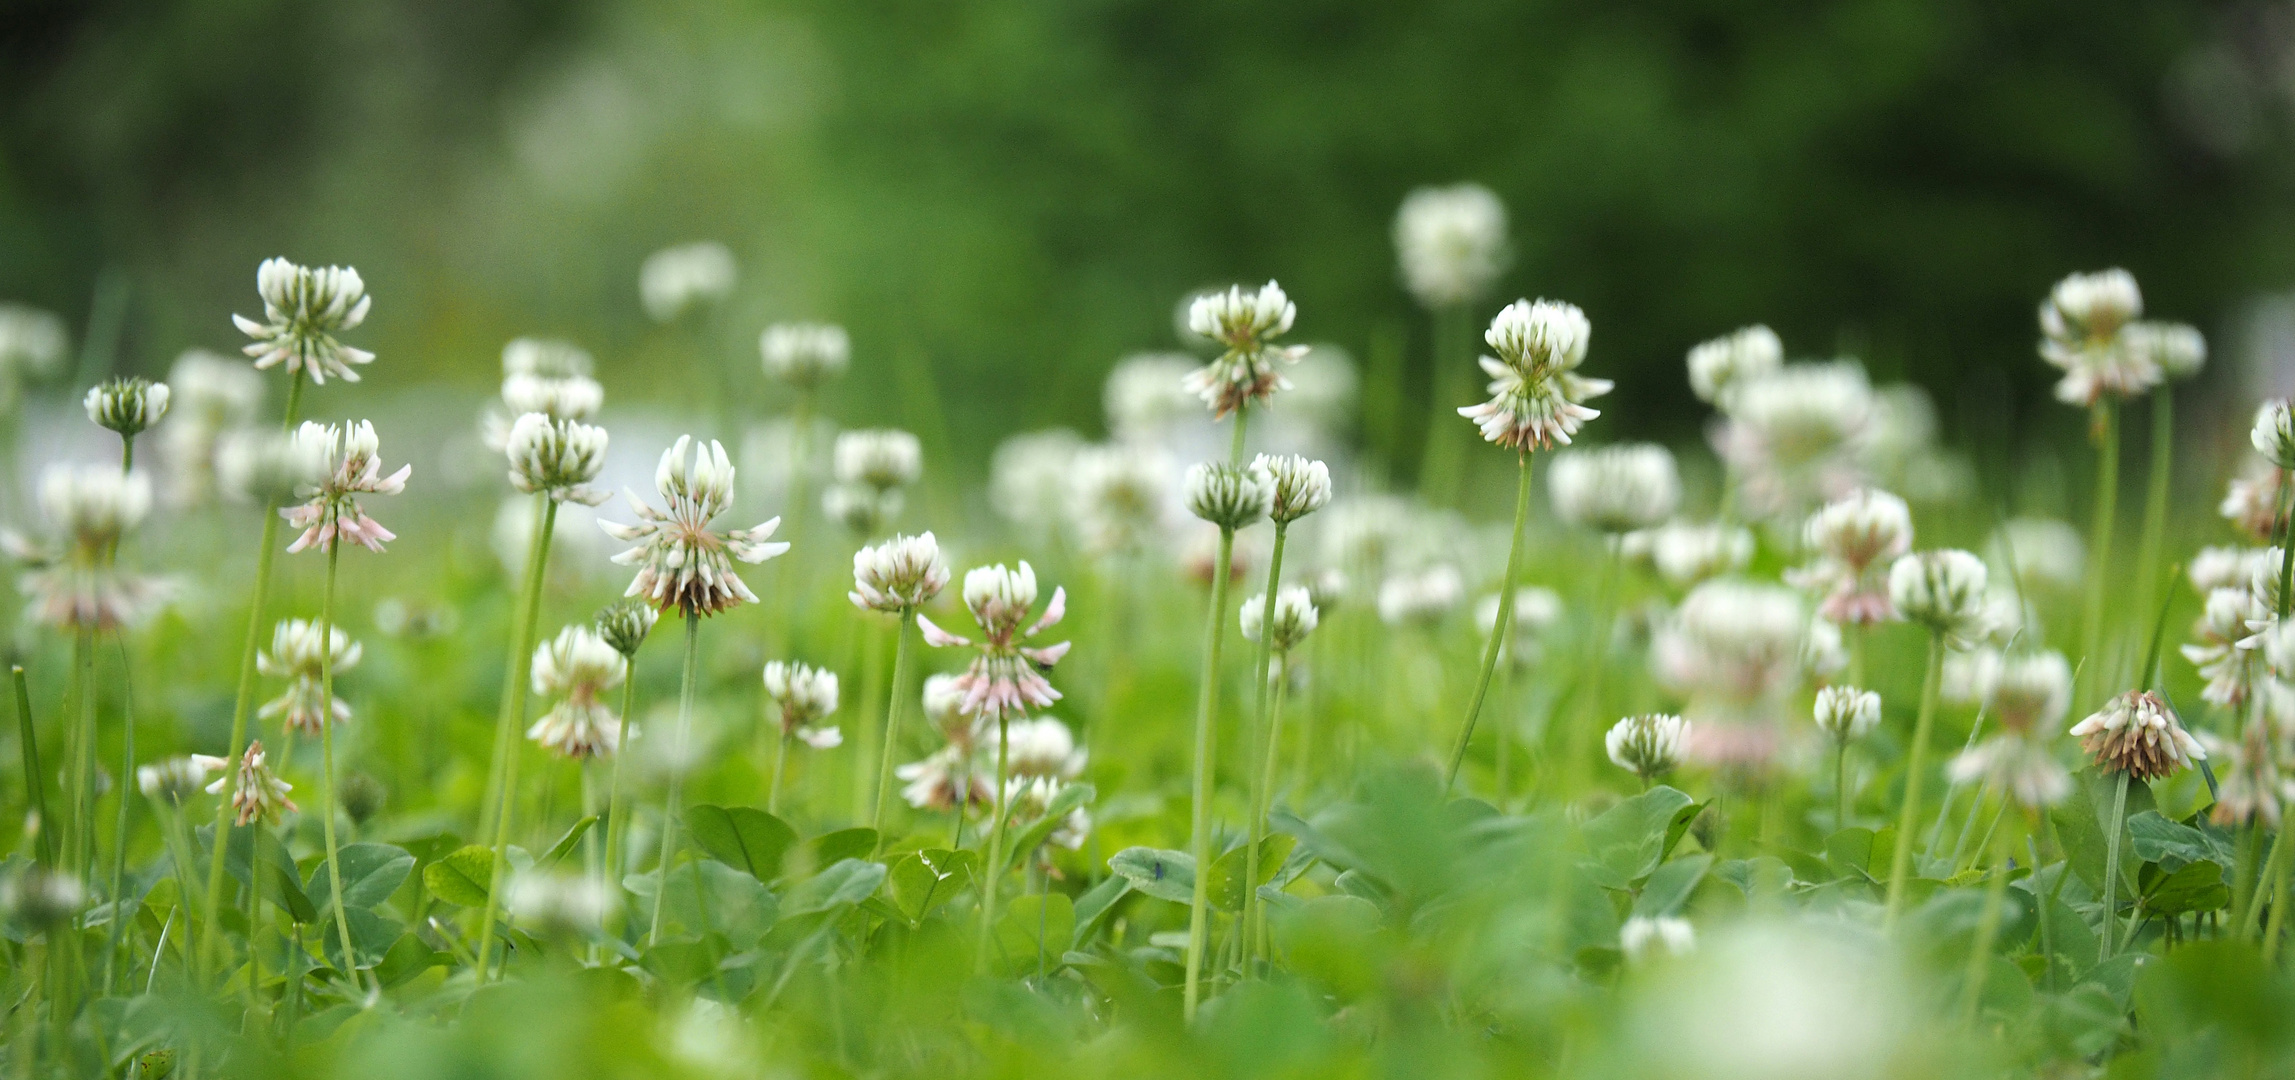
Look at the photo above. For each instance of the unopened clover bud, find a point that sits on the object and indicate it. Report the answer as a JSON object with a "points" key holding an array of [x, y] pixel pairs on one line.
{"points": [[1299, 487], [1847, 713], [2274, 434], [1295, 618], [1226, 496], [129, 406], [1648, 746], [625, 624]]}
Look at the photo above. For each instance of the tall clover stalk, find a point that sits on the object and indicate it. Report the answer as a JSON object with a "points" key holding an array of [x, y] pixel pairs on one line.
{"points": [[1505, 625], [2104, 430], [1451, 243], [1278, 623], [624, 626], [1299, 487], [1943, 591], [896, 577]]}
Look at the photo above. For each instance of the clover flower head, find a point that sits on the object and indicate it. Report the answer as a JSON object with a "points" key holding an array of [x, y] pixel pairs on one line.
{"points": [[681, 562], [352, 464], [129, 406], [1028, 798], [2177, 349], [2018, 764], [297, 655], [1944, 590], [2255, 500], [77, 582], [800, 696], [1615, 489], [1006, 679], [804, 355], [1245, 325], [176, 778], [2136, 733], [1644, 937], [2251, 789], [1847, 713], [948, 779], [2274, 433], [561, 904], [1855, 538], [1295, 617], [881, 459], [1687, 553], [93, 505], [574, 397], [269, 467], [625, 624], [578, 666], [2031, 691], [864, 511], [901, 574], [1144, 396], [1451, 242], [1537, 398], [1649, 745], [1042, 747], [1420, 597], [944, 709], [256, 794], [1794, 435], [1227, 496], [545, 358], [303, 309], [679, 279], [1731, 643], [32, 342], [40, 899], [558, 457], [1122, 496], [2084, 327], [1733, 359], [2221, 568], [2263, 584], [1031, 479], [1298, 486]]}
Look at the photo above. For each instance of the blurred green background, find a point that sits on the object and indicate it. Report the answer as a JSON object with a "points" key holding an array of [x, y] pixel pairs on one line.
{"points": [[1016, 194]]}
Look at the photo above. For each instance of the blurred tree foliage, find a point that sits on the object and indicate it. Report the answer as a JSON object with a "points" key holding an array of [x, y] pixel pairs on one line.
{"points": [[1014, 195]]}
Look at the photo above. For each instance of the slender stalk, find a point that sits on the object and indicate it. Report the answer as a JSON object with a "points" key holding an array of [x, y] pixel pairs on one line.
{"points": [[1259, 711], [992, 875], [327, 802], [2245, 880], [780, 768], [35, 779], [677, 771], [1840, 784], [266, 553], [2280, 886], [2111, 919], [113, 949], [512, 714], [1505, 624], [1988, 924], [522, 634], [1443, 448], [872, 690], [1259, 944], [892, 723], [1900, 864], [2156, 493], [614, 804], [2105, 429], [1206, 719]]}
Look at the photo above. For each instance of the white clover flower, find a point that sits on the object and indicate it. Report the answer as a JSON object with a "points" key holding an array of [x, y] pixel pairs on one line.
{"points": [[561, 904], [40, 900], [1899, 443], [1451, 242], [32, 343], [2222, 568], [946, 778], [1794, 435], [1644, 938], [1855, 539], [210, 397], [270, 467], [901, 574], [578, 667], [2263, 583], [804, 355], [545, 358], [75, 581], [1615, 489], [1031, 479], [1686, 553], [1847, 713], [177, 778], [2274, 433], [679, 279], [2252, 789], [944, 709], [1122, 495], [1536, 395], [2081, 326], [625, 624], [1420, 597], [2225, 623], [559, 457], [574, 397], [303, 309], [681, 562], [1365, 532], [1823, 654], [1245, 325], [353, 467], [2017, 764], [1733, 359], [1006, 679], [1227, 496], [2177, 349], [863, 511], [1731, 643], [128, 406], [2136, 733], [1295, 617], [256, 794], [1042, 747], [2031, 691], [296, 655], [1648, 746], [1298, 486], [2254, 501], [1943, 590], [93, 505], [1536, 610], [800, 695], [880, 459], [1144, 396]]}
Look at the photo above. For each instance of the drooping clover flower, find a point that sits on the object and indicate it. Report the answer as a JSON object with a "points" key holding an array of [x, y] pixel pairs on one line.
{"points": [[1744, 355], [681, 563], [1847, 713], [2081, 326], [296, 655], [1793, 436], [1245, 325], [559, 457], [1648, 746], [800, 696], [1144, 396], [129, 406], [804, 355], [1295, 617], [679, 279], [1420, 597], [330, 509], [1856, 538], [1536, 610], [177, 778], [901, 574], [1687, 553], [1451, 242], [303, 309], [2136, 733], [1122, 496], [1943, 590], [1227, 496], [1537, 397], [1006, 679], [578, 667], [255, 793], [75, 581], [1615, 489]]}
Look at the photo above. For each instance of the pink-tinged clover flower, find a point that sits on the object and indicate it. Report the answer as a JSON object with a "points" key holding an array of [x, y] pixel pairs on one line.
{"points": [[1006, 679], [330, 509], [681, 563], [303, 309], [1536, 394], [256, 793]]}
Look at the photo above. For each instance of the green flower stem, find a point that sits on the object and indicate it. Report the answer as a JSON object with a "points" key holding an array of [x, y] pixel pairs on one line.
{"points": [[2105, 429], [112, 949], [780, 768], [1900, 864], [1206, 719], [1259, 944], [892, 723], [210, 939], [2111, 920], [872, 689], [1840, 784], [677, 769], [2156, 494], [1988, 924], [522, 634], [513, 711], [79, 839], [1505, 624], [1259, 791], [611, 873], [1442, 450], [2280, 873], [2247, 877], [327, 803], [992, 875], [35, 783]]}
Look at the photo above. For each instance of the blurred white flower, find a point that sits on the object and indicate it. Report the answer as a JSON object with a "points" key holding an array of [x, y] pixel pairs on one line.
{"points": [[1451, 242], [1537, 398], [2222, 625], [2031, 691], [2222, 568], [330, 510], [1245, 326], [1644, 938], [296, 655], [2274, 433], [2017, 763], [1943, 590], [1731, 643], [578, 666], [562, 904], [210, 397], [1122, 496], [1855, 538], [1733, 359], [269, 467], [946, 777], [1420, 597], [679, 279], [303, 309], [882, 459], [1648, 746], [1847, 713], [1144, 397], [2254, 501], [1793, 436], [177, 778], [545, 358], [556, 456], [256, 794], [1295, 617], [1364, 533], [863, 511], [1615, 489], [2080, 327], [32, 344], [2251, 789], [1685, 553], [1785, 1001], [800, 696], [75, 580], [1026, 798], [681, 562], [1031, 479], [2048, 554], [1042, 747], [1536, 610], [804, 355], [2177, 349]]}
